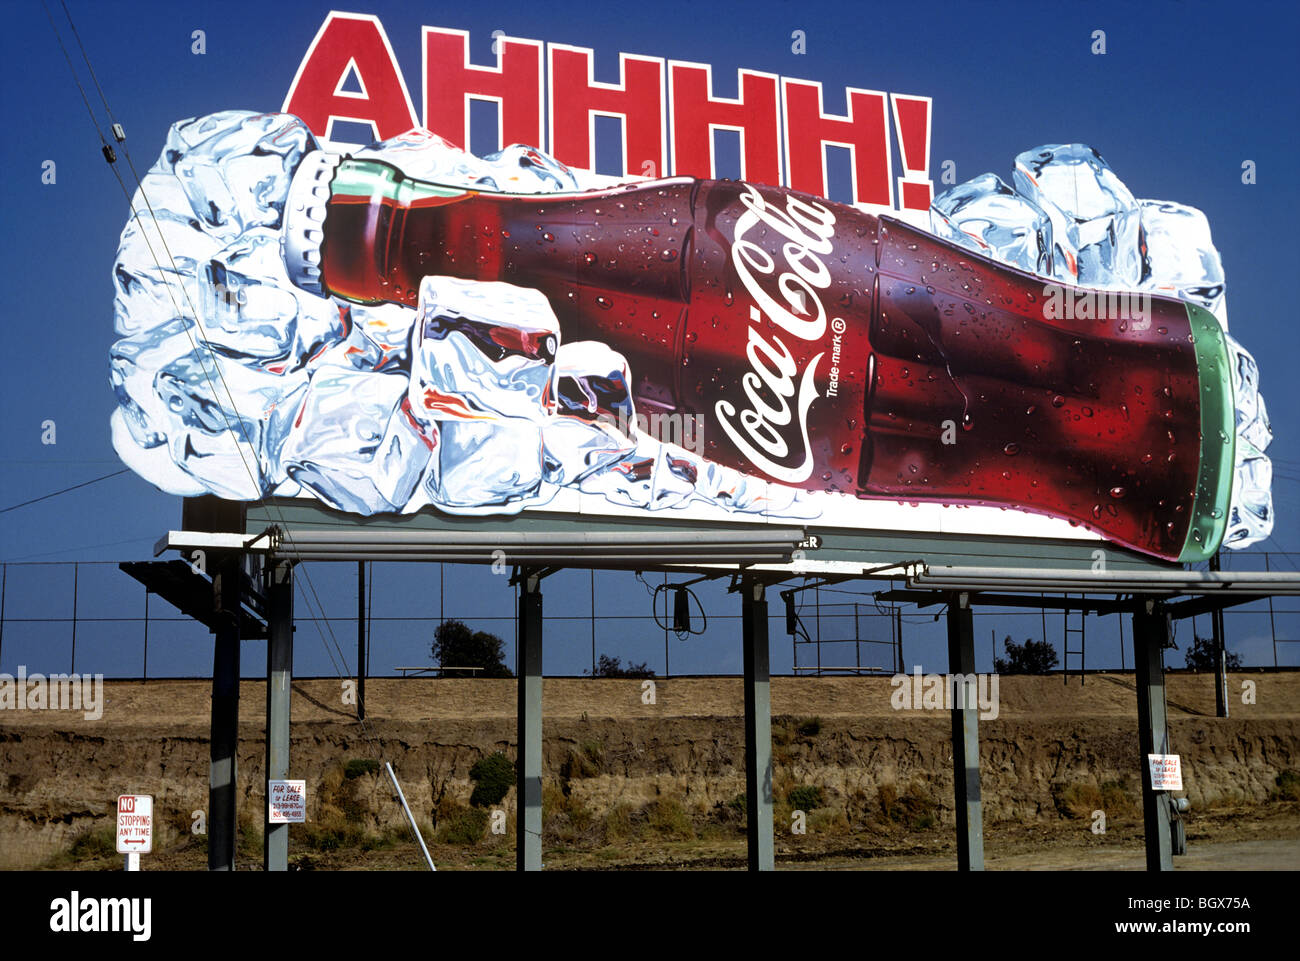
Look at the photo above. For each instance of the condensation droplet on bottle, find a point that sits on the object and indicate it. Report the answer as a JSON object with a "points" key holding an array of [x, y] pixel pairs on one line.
{"points": [[604, 303], [1058, 401], [1012, 449], [1086, 411], [1031, 408], [1117, 492], [589, 258], [668, 256], [549, 237]]}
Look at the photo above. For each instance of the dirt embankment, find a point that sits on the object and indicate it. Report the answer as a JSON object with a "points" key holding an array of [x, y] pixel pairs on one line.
{"points": [[1053, 752]]}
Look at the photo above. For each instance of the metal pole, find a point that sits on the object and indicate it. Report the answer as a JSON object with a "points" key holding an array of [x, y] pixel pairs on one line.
{"points": [[1220, 654], [279, 678], [528, 813], [145, 668], [665, 626], [410, 817], [758, 728], [225, 716], [593, 621], [4, 584], [965, 737], [76, 568], [1150, 632], [361, 640]]}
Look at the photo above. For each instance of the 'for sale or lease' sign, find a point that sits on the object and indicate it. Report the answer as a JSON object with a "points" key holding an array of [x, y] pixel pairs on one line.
{"points": [[288, 802], [1166, 772], [135, 824]]}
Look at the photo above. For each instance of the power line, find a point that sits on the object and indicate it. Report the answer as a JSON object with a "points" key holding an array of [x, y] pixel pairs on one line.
{"points": [[74, 487]]}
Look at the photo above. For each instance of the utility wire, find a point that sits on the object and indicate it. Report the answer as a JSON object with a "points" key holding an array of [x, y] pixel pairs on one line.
{"points": [[74, 487]]}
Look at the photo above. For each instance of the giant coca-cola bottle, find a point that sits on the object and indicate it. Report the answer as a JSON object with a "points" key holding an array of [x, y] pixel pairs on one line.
{"points": [[823, 347]]}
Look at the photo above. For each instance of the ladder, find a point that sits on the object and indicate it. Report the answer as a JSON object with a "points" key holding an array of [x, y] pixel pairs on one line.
{"points": [[1082, 635]]}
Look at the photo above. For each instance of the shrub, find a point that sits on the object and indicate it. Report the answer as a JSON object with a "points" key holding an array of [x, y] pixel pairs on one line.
{"points": [[810, 727], [360, 766], [91, 844], [1288, 786], [1201, 656], [913, 809], [607, 666], [464, 826], [667, 818], [493, 776], [806, 797], [1032, 657]]}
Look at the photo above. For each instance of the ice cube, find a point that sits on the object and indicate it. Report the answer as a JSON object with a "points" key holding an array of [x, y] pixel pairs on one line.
{"points": [[989, 217], [1250, 512], [252, 312], [594, 424], [133, 363], [523, 169], [482, 363], [379, 338], [1181, 259], [224, 419], [423, 155], [354, 442], [1094, 216], [235, 167], [628, 481]]}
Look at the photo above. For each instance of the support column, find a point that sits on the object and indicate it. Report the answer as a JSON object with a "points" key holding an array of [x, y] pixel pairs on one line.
{"points": [[965, 736], [1150, 632], [362, 666], [758, 728], [528, 767], [226, 586], [279, 677], [1220, 654]]}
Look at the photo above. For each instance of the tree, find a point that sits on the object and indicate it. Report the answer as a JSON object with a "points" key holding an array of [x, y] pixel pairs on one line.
{"points": [[608, 666], [1200, 656], [1031, 657], [455, 645]]}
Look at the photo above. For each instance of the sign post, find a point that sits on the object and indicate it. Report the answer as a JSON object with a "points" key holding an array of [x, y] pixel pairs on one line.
{"points": [[134, 827]]}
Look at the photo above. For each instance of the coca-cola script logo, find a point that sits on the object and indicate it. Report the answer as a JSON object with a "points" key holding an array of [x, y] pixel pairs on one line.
{"points": [[764, 434]]}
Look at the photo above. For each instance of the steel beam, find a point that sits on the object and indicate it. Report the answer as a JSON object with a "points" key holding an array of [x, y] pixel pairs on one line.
{"points": [[1150, 633], [224, 734], [279, 678], [758, 727], [528, 767], [965, 737]]}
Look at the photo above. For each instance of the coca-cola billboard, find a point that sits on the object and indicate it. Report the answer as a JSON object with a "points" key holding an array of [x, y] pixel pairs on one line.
{"points": [[402, 326]]}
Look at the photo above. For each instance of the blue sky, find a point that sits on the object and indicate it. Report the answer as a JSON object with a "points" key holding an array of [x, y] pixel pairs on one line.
{"points": [[1185, 93]]}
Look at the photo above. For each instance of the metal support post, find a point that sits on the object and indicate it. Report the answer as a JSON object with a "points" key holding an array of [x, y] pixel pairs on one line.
{"points": [[279, 677], [1150, 632], [361, 640], [528, 813], [226, 586], [758, 728], [965, 736], [1220, 655]]}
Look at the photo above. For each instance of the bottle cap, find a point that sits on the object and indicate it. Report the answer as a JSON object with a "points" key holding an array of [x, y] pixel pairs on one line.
{"points": [[304, 219]]}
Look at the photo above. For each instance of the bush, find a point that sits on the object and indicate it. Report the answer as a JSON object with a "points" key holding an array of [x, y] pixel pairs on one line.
{"points": [[493, 776], [1201, 656], [913, 809], [464, 826], [667, 818], [1032, 657], [360, 766], [607, 666], [88, 845], [455, 645], [1288, 786], [805, 798], [810, 727]]}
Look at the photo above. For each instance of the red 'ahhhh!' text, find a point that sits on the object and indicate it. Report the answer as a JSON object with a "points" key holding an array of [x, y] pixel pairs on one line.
{"points": [[547, 96]]}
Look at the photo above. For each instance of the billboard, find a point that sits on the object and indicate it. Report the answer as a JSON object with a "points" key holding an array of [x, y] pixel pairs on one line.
{"points": [[402, 326]]}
